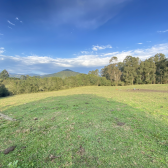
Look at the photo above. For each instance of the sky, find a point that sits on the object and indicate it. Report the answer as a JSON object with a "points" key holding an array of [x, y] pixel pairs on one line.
{"points": [[48, 36]]}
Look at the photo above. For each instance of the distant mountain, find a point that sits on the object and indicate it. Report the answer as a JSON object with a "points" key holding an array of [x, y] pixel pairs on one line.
{"points": [[18, 75], [62, 74], [14, 75], [68, 70]]}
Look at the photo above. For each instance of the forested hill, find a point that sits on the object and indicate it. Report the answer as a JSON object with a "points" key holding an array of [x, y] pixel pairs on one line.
{"points": [[62, 74]]}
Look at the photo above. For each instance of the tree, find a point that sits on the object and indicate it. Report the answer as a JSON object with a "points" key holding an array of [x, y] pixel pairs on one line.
{"points": [[113, 71], [149, 71], [27, 76], [23, 77], [120, 66], [158, 58], [113, 59], [104, 73], [163, 71], [4, 74], [96, 72], [131, 65]]}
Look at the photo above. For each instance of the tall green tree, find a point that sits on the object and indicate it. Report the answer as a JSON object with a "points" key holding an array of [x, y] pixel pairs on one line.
{"points": [[162, 71], [104, 73], [140, 73], [158, 58], [113, 70], [131, 65], [96, 72], [149, 71], [23, 77], [4, 74]]}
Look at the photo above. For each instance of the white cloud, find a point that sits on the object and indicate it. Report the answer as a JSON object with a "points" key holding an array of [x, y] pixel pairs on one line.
{"points": [[84, 52], [139, 43], [1, 34], [9, 27], [17, 18], [95, 48], [144, 53], [47, 64], [163, 31], [1, 50], [148, 41], [21, 21], [10, 23]]}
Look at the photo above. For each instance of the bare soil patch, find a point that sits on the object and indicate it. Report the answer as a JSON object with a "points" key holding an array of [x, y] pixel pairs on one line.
{"points": [[146, 90], [6, 117]]}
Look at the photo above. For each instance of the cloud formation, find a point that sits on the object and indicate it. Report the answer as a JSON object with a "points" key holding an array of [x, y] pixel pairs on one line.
{"points": [[139, 43], [10, 23], [46, 64], [17, 18], [1, 50], [95, 48], [163, 31], [9, 27], [84, 52], [1, 34], [85, 13]]}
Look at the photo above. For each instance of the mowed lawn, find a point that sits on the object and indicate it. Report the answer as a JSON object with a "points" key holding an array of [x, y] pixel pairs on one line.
{"points": [[93, 126]]}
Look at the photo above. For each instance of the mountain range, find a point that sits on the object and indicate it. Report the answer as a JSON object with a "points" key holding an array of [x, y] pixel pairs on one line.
{"points": [[62, 74]]}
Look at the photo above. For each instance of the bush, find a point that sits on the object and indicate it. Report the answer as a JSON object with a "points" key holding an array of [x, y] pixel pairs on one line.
{"points": [[4, 91], [120, 83]]}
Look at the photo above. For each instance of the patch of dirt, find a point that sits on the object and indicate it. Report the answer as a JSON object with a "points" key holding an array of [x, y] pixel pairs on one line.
{"points": [[7, 117], [120, 124], [146, 90], [6, 151], [81, 151]]}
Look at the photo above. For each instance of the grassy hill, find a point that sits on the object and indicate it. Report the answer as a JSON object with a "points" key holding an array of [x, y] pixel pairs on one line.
{"points": [[62, 74], [86, 127]]}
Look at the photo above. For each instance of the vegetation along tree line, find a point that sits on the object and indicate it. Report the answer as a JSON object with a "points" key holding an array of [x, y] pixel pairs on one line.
{"points": [[132, 71]]}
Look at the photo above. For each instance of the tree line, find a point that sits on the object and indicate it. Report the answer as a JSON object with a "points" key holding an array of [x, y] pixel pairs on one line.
{"points": [[132, 71], [36, 84]]}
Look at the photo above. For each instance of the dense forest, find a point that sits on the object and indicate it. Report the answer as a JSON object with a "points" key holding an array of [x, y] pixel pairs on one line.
{"points": [[132, 71]]}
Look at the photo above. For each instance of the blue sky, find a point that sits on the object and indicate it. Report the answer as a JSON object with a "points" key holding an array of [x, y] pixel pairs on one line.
{"points": [[47, 36]]}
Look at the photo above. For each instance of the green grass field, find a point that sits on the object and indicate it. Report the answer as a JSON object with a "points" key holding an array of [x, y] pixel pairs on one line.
{"points": [[87, 127]]}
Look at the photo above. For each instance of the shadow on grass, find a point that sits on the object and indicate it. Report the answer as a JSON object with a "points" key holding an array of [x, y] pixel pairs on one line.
{"points": [[82, 131], [4, 92]]}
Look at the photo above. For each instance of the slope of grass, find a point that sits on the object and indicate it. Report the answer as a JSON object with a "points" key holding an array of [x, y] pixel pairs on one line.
{"points": [[87, 127], [151, 102]]}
